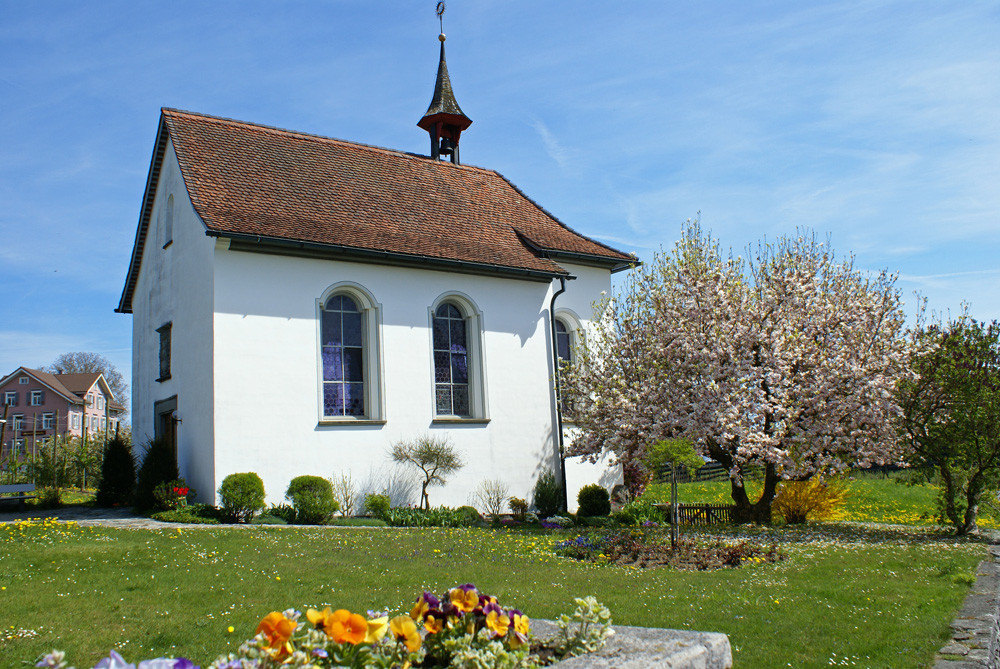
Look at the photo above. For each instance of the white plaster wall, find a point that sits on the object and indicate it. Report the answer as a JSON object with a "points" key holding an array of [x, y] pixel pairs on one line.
{"points": [[175, 285], [581, 300], [266, 374]]}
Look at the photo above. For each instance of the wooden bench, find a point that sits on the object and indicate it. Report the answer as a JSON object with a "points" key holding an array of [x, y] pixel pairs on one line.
{"points": [[17, 494], [700, 514]]}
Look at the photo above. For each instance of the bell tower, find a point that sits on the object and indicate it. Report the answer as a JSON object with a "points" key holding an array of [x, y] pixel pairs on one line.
{"points": [[444, 120]]}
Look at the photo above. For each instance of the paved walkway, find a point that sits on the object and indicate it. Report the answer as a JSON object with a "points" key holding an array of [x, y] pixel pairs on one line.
{"points": [[87, 515]]}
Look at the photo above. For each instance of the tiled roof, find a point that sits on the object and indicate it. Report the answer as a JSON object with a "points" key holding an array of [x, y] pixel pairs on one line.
{"points": [[55, 381], [254, 182], [71, 386], [78, 383]]}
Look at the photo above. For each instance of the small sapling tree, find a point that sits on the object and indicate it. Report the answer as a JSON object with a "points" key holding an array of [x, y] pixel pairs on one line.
{"points": [[434, 456]]}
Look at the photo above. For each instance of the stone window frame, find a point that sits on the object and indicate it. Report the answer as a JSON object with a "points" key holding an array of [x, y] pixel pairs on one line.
{"points": [[372, 357], [475, 362]]}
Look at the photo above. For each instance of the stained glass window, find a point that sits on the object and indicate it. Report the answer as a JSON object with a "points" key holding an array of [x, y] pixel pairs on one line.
{"points": [[343, 355], [564, 356], [451, 362], [562, 342]]}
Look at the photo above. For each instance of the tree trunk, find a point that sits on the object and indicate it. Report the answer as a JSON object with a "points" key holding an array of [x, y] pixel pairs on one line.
{"points": [[972, 494], [425, 502], [747, 511], [950, 512]]}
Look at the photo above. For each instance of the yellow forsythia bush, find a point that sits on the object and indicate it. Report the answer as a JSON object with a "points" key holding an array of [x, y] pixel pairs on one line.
{"points": [[798, 501]]}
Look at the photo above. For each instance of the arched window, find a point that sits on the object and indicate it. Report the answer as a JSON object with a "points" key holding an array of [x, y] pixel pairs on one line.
{"points": [[451, 362], [567, 329], [350, 383], [564, 349], [343, 352]]}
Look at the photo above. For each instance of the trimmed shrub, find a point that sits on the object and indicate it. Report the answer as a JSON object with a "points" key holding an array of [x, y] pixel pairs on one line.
{"points": [[798, 501], [518, 508], [312, 497], [548, 495], [377, 506], [593, 500], [159, 465], [468, 515], [117, 485], [242, 496]]}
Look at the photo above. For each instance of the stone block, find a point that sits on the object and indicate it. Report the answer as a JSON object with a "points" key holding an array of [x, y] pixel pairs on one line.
{"points": [[640, 647]]}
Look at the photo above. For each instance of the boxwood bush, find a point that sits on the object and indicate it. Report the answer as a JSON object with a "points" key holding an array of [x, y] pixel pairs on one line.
{"points": [[242, 496], [593, 500], [312, 497]]}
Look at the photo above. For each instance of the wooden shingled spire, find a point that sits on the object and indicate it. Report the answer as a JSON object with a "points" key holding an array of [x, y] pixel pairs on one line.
{"points": [[444, 120]]}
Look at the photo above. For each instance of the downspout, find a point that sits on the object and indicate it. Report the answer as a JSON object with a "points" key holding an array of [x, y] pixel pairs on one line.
{"points": [[555, 391]]}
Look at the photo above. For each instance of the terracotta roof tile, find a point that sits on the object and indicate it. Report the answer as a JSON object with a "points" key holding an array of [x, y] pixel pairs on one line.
{"points": [[249, 179]]}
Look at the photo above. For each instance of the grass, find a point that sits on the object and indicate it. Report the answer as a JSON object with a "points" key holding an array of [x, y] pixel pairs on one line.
{"points": [[870, 499], [874, 596]]}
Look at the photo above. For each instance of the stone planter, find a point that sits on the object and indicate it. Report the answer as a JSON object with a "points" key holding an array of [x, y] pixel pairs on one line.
{"points": [[641, 647]]}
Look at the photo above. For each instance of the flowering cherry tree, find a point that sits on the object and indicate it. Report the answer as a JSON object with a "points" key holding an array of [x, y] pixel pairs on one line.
{"points": [[787, 361]]}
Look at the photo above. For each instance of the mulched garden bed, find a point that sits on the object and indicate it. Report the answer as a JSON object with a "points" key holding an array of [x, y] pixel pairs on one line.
{"points": [[649, 548]]}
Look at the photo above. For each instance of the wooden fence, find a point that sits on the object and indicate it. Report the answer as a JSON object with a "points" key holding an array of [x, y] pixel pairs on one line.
{"points": [[701, 514]]}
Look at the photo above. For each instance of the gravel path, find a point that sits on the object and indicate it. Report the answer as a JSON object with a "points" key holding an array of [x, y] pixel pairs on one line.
{"points": [[86, 515]]}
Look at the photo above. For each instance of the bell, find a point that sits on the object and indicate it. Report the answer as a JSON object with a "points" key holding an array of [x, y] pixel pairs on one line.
{"points": [[447, 146]]}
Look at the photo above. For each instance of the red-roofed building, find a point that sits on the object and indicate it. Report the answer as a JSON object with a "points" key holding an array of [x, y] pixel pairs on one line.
{"points": [[300, 303], [38, 405]]}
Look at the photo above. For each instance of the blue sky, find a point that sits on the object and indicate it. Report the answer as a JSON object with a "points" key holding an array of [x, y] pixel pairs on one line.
{"points": [[873, 122]]}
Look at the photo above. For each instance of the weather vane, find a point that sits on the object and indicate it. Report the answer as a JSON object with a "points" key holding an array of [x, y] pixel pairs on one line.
{"points": [[440, 13]]}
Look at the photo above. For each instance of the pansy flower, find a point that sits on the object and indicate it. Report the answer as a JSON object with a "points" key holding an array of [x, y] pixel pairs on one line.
{"points": [[404, 629], [434, 621], [277, 630], [424, 603], [464, 597], [376, 629], [521, 626], [496, 620], [346, 627]]}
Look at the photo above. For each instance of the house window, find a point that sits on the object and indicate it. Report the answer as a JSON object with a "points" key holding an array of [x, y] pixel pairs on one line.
{"points": [[350, 382], [90, 399], [451, 362], [18, 421], [567, 328], [37, 398], [23, 380], [10, 398], [168, 223], [48, 421], [100, 402], [164, 333], [456, 343], [104, 425], [563, 348], [76, 421], [343, 358]]}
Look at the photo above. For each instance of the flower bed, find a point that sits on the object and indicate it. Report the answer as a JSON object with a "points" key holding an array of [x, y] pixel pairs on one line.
{"points": [[642, 548], [462, 628]]}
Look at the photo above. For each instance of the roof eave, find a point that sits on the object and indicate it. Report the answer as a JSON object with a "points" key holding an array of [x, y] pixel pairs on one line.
{"points": [[301, 248], [152, 179]]}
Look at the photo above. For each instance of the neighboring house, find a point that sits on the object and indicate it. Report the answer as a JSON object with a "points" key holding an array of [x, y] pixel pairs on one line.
{"points": [[300, 303], [39, 405]]}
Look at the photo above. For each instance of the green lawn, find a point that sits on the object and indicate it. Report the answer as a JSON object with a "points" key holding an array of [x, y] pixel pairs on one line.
{"points": [[875, 597], [869, 499]]}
